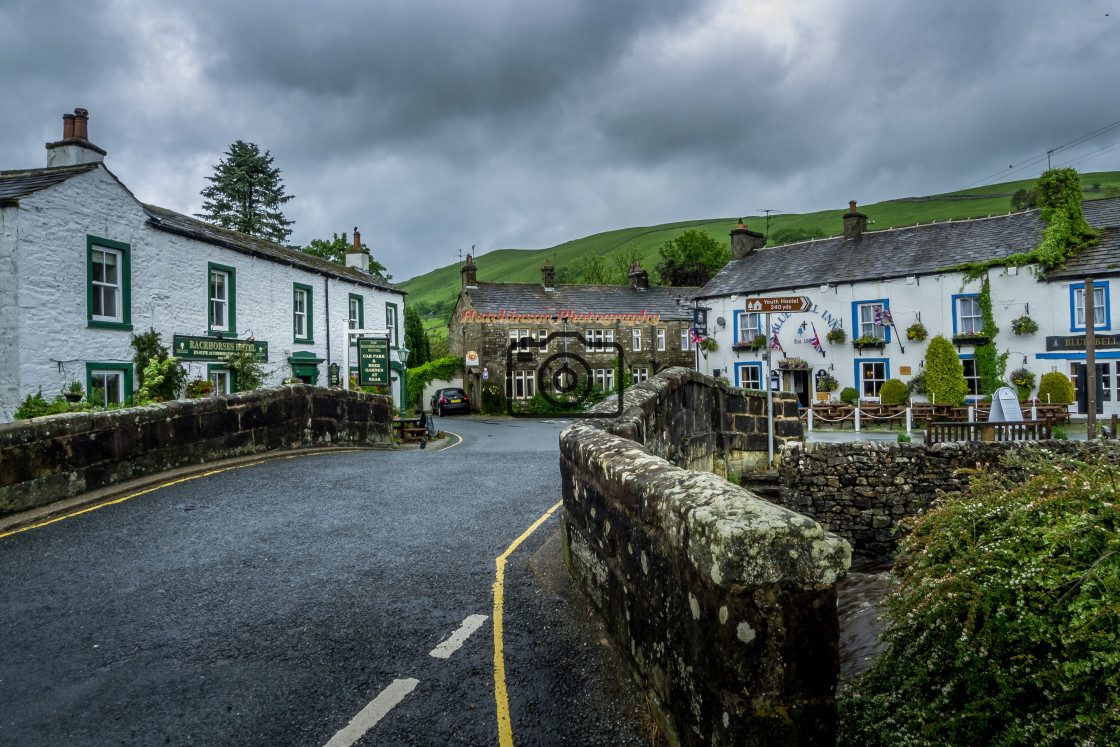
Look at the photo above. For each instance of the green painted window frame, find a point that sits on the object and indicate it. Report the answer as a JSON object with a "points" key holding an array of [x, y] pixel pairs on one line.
{"points": [[126, 283], [126, 368], [308, 313], [361, 315], [231, 299], [394, 338], [211, 367]]}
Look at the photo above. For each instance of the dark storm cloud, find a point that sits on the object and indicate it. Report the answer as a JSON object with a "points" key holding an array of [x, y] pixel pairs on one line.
{"points": [[437, 125]]}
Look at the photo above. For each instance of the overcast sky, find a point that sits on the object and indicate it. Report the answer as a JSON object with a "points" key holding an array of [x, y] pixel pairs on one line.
{"points": [[437, 124]]}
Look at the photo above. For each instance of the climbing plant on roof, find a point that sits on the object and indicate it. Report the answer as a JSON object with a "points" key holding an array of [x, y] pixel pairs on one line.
{"points": [[1066, 233]]}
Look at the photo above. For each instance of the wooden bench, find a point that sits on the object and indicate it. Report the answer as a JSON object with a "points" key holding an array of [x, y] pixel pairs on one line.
{"points": [[409, 430], [1026, 430]]}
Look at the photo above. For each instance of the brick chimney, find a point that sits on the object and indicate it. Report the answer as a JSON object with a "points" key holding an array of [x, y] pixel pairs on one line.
{"points": [[74, 148], [548, 275], [745, 241], [356, 256], [468, 271], [639, 278], [855, 222]]}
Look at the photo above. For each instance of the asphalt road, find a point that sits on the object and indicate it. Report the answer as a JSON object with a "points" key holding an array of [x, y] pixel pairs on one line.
{"points": [[273, 603]]}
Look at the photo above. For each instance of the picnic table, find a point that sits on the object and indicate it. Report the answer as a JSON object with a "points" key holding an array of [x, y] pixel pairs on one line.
{"points": [[409, 429]]}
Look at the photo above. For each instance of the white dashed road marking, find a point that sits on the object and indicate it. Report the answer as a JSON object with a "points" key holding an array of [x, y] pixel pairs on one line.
{"points": [[452, 644], [373, 713]]}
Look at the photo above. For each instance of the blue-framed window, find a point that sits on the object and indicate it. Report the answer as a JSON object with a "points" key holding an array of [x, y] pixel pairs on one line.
{"points": [[870, 375], [748, 375], [1101, 307], [972, 377], [863, 318], [967, 316], [748, 325]]}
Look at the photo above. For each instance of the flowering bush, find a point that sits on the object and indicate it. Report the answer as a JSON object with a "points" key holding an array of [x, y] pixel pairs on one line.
{"points": [[199, 387], [1003, 628], [1024, 325], [836, 336], [917, 332]]}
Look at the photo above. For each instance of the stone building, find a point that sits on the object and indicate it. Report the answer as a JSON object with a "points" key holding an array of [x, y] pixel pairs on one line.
{"points": [[84, 265], [852, 279], [550, 328]]}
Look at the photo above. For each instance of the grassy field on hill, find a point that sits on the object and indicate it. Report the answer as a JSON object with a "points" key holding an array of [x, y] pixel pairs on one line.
{"points": [[435, 292]]}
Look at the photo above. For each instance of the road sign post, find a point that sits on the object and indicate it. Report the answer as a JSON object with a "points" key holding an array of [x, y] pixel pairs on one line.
{"points": [[779, 304]]}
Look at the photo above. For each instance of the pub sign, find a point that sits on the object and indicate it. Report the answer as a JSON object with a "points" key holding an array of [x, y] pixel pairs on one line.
{"points": [[373, 362]]}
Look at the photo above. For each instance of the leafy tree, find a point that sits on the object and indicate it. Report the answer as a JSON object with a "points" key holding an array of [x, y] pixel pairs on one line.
{"points": [[944, 372], [1024, 199], [173, 376], [691, 259], [415, 339], [246, 194], [248, 373], [335, 251]]}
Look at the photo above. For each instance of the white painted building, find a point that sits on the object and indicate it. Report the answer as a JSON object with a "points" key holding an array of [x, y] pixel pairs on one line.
{"points": [[84, 265], [903, 270]]}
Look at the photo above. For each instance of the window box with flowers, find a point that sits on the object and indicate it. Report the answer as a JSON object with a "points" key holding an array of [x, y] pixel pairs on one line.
{"points": [[836, 336], [917, 332], [758, 343], [793, 363], [868, 341], [971, 338], [1024, 325]]}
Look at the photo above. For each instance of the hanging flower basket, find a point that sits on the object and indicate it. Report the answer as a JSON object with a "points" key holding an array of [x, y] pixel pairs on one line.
{"points": [[1024, 325], [836, 336], [827, 384], [869, 342], [917, 332], [793, 363], [199, 388], [709, 345]]}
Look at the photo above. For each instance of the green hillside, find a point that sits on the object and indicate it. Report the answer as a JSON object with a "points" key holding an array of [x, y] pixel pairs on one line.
{"points": [[434, 293]]}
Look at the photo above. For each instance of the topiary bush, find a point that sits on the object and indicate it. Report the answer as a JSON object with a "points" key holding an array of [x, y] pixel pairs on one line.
{"points": [[849, 395], [1058, 386], [893, 392], [944, 380], [1003, 628]]}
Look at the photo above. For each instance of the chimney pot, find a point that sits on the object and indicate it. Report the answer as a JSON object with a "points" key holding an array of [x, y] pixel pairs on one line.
{"points": [[81, 124], [548, 275], [357, 240], [851, 206], [855, 222], [67, 126], [639, 278], [744, 241], [469, 273]]}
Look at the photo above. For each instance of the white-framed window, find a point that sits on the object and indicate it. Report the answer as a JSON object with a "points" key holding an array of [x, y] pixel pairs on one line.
{"points": [[219, 377], [542, 340], [872, 374], [865, 315], [686, 340], [972, 376], [636, 337], [219, 300], [105, 284], [660, 339], [1100, 306], [106, 387], [970, 319], [355, 318], [299, 313], [391, 323], [599, 340], [604, 377], [519, 384], [519, 339], [748, 375], [639, 373], [750, 326]]}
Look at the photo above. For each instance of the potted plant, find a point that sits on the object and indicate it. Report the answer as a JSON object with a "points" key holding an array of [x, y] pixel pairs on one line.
{"points": [[1024, 325], [917, 332], [869, 341], [836, 336], [793, 363], [73, 393]]}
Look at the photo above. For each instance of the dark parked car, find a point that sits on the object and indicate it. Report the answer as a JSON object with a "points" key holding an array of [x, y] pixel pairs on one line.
{"points": [[450, 400]]}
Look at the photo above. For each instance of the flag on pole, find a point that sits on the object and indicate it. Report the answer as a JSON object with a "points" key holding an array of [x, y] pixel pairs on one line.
{"points": [[695, 337], [883, 317], [815, 341], [774, 343]]}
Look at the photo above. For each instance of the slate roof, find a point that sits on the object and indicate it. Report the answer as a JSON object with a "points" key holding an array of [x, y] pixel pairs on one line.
{"points": [[898, 252], [1103, 257], [172, 222], [19, 183], [532, 298]]}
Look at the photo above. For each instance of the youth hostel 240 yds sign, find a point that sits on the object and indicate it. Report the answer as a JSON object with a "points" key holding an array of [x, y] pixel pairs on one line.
{"points": [[213, 349], [373, 362]]}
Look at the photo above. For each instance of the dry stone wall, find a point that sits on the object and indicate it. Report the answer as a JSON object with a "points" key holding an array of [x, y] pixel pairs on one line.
{"points": [[60, 456], [723, 603]]}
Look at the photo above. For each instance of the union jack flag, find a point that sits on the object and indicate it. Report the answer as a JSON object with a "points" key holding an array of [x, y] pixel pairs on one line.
{"points": [[815, 341], [883, 317], [696, 338], [774, 343]]}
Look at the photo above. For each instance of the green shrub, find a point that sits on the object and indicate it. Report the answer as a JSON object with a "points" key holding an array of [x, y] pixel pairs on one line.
{"points": [[173, 376], [493, 400], [944, 373], [445, 368], [1059, 433], [248, 373], [1058, 386], [893, 392], [849, 395], [1003, 629], [903, 438]]}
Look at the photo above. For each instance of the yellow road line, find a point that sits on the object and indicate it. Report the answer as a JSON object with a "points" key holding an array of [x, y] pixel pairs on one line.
{"points": [[451, 446], [501, 697], [115, 501]]}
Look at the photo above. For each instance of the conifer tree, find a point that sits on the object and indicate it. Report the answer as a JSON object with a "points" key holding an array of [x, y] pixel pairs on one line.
{"points": [[415, 338], [945, 373], [246, 194]]}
